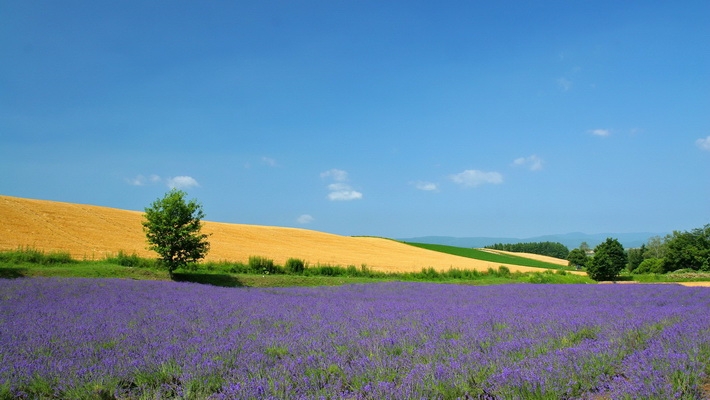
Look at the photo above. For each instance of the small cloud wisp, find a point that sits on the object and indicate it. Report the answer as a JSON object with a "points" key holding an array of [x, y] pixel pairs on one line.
{"points": [[340, 191], [533, 162], [474, 178]]}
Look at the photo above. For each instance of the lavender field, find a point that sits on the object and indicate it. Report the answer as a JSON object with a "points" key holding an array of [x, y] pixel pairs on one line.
{"points": [[103, 339]]}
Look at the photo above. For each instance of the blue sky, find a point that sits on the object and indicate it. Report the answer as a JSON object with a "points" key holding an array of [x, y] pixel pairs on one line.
{"points": [[395, 119]]}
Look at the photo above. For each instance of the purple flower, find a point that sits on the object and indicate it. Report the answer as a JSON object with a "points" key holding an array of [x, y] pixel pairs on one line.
{"points": [[60, 337]]}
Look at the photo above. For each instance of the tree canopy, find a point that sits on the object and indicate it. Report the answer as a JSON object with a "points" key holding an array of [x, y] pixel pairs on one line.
{"points": [[688, 250], [578, 258], [173, 229], [551, 249], [609, 259]]}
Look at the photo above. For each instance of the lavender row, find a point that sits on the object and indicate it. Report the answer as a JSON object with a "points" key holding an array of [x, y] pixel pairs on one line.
{"points": [[77, 338]]}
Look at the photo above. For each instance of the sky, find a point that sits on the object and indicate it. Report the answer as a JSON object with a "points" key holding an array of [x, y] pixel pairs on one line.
{"points": [[383, 118]]}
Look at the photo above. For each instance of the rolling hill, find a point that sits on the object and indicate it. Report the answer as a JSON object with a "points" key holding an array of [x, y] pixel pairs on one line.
{"points": [[93, 232], [571, 240]]}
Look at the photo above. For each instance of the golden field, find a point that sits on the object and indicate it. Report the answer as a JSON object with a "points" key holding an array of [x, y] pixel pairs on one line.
{"points": [[93, 232]]}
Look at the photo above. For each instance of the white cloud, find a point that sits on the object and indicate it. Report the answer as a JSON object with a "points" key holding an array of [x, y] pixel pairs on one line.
{"points": [[600, 132], [340, 191], [182, 182], [336, 174], [533, 162], [704, 144], [141, 180], [426, 186], [473, 178], [305, 219]]}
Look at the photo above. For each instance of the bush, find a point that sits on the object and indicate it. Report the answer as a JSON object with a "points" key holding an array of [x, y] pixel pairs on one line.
{"points": [[430, 273], [650, 266], [295, 266], [262, 265], [352, 271], [133, 260], [34, 256], [503, 271]]}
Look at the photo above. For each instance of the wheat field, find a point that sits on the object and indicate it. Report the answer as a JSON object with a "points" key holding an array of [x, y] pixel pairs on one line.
{"points": [[93, 232]]}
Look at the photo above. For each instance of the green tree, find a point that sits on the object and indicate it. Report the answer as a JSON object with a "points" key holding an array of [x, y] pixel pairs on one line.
{"points": [[650, 266], [609, 259], [688, 250], [657, 246], [636, 257], [577, 258], [173, 228]]}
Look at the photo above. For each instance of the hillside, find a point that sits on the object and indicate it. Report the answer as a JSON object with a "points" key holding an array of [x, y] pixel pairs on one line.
{"points": [[92, 232], [571, 240]]}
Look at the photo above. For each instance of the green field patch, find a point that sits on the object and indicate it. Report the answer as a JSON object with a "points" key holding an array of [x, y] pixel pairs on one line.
{"points": [[488, 256]]}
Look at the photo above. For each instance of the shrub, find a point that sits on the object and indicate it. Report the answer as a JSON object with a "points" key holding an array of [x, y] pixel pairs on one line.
{"points": [[226, 267], [430, 273], [34, 256], [295, 266], [262, 265], [352, 271], [367, 272], [328, 270], [133, 260], [503, 271], [650, 266]]}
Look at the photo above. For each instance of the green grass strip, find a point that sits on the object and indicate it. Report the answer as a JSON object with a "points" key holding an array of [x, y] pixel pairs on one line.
{"points": [[487, 256]]}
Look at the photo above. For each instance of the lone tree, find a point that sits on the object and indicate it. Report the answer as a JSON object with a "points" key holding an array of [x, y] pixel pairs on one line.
{"points": [[609, 259], [172, 227]]}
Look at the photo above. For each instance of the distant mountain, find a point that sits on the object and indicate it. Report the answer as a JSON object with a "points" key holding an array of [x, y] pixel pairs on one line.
{"points": [[571, 240]]}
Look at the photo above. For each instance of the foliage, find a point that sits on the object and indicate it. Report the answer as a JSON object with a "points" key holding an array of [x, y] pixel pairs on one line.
{"points": [[657, 246], [389, 340], [636, 257], [688, 250], [609, 259], [231, 274], [262, 265], [130, 260], [552, 249], [295, 266], [650, 266], [172, 226], [578, 258], [34, 256]]}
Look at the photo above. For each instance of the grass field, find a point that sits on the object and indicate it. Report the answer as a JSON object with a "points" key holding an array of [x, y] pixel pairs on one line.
{"points": [[29, 262], [494, 257]]}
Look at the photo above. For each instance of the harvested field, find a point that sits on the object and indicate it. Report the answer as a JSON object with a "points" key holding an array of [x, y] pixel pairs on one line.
{"points": [[551, 260], [92, 232], [695, 284]]}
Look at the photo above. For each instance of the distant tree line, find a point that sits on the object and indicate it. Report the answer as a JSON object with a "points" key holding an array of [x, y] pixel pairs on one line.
{"points": [[689, 250], [681, 251], [552, 249]]}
